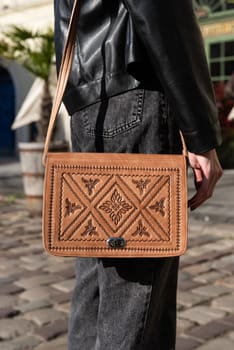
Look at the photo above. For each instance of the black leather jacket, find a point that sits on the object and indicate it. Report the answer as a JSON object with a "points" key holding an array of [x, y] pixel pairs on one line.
{"points": [[122, 44]]}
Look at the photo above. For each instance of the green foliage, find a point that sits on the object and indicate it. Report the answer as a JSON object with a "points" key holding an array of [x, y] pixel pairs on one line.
{"points": [[33, 49]]}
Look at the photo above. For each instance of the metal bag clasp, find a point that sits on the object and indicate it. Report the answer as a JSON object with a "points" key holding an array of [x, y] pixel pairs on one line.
{"points": [[116, 242]]}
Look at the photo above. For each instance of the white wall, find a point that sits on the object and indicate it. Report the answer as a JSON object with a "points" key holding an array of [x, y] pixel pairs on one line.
{"points": [[33, 14]]}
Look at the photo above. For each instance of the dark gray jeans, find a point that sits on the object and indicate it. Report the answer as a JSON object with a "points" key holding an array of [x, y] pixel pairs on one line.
{"points": [[125, 304]]}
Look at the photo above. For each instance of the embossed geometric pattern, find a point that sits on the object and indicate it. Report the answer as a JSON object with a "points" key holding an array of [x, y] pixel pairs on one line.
{"points": [[142, 204], [116, 207]]}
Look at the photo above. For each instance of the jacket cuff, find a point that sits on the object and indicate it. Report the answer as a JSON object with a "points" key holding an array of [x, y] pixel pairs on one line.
{"points": [[202, 141]]}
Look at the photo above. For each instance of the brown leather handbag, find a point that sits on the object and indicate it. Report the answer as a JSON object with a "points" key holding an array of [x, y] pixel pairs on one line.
{"points": [[111, 205]]}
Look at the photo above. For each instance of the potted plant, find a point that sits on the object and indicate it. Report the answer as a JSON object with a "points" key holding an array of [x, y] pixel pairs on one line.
{"points": [[35, 51]]}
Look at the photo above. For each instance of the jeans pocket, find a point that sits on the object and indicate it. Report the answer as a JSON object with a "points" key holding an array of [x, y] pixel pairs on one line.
{"points": [[113, 116]]}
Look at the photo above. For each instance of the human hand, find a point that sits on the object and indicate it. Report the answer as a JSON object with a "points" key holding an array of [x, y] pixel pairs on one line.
{"points": [[207, 171]]}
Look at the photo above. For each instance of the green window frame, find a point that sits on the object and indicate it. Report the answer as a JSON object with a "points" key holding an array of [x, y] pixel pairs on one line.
{"points": [[220, 54], [214, 6]]}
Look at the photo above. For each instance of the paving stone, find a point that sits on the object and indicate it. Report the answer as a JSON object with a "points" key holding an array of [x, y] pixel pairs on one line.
{"points": [[195, 260], [62, 298], [195, 226], [220, 263], [183, 325], [196, 269], [227, 282], [68, 273], [24, 250], [65, 307], [186, 344], [223, 230], [43, 316], [33, 267], [215, 255], [217, 344], [21, 343], [189, 299], [6, 280], [11, 328], [11, 271], [65, 286], [25, 274], [57, 264], [220, 245], [37, 293], [201, 314], [53, 330], [10, 289], [187, 285], [31, 259], [227, 269], [230, 335], [210, 330], [229, 319], [8, 312], [33, 305], [7, 301], [8, 264], [39, 280], [208, 277], [57, 344], [211, 290], [202, 239], [184, 276], [224, 303], [202, 250]]}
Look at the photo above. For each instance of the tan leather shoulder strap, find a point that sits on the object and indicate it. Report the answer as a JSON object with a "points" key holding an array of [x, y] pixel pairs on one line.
{"points": [[63, 73]]}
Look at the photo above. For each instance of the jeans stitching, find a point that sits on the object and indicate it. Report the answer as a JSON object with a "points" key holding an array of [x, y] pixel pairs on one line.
{"points": [[121, 128]]}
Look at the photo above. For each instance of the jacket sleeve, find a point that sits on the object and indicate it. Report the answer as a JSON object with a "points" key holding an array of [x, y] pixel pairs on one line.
{"points": [[173, 41]]}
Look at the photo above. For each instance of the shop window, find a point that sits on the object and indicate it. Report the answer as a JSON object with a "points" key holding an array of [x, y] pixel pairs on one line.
{"points": [[211, 6], [221, 59]]}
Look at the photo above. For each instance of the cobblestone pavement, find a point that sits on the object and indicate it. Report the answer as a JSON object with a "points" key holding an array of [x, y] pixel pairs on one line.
{"points": [[35, 289]]}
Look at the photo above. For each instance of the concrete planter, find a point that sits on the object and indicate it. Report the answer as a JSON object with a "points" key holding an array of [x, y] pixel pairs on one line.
{"points": [[33, 174]]}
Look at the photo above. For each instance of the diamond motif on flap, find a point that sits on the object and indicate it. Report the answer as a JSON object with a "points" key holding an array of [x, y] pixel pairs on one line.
{"points": [[116, 207]]}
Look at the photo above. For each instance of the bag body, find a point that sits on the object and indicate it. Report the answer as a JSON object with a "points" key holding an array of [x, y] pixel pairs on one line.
{"points": [[121, 205]]}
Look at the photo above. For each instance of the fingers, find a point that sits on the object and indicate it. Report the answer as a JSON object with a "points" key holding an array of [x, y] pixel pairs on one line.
{"points": [[200, 196], [206, 174]]}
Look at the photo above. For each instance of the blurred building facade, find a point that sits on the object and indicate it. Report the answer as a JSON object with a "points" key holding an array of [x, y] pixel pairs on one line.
{"points": [[216, 18], [15, 81]]}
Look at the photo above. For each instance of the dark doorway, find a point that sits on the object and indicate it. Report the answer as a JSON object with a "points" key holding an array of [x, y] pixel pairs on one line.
{"points": [[7, 113]]}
